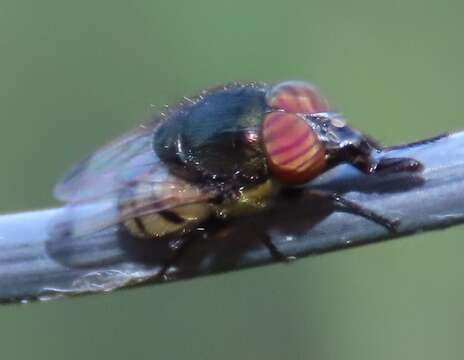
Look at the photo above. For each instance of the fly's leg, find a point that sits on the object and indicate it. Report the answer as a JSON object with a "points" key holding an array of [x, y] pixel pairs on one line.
{"points": [[277, 255], [391, 224], [179, 252], [274, 250], [387, 166], [184, 247]]}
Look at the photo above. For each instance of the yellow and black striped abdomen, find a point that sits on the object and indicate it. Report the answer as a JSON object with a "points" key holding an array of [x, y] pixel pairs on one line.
{"points": [[185, 218], [176, 207], [174, 221]]}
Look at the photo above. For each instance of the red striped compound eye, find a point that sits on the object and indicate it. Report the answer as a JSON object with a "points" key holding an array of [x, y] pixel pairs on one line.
{"points": [[294, 153], [297, 97]]}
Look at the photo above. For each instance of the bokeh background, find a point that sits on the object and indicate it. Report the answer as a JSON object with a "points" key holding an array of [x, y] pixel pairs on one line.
{"points": [[74, 74]]}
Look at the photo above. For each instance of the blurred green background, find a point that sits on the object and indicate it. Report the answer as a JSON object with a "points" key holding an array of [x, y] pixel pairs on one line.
{"points": [[75, 74]]}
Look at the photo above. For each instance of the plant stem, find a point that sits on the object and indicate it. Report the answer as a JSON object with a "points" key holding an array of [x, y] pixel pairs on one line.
{"points": [[34, 264]]}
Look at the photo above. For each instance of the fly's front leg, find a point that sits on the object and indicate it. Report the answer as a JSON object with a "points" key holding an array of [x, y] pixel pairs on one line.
{"points": [[391, 224], [387, 166]]}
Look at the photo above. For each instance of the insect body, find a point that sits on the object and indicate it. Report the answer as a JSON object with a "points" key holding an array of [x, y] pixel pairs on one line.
{"points": [[225, 153]]}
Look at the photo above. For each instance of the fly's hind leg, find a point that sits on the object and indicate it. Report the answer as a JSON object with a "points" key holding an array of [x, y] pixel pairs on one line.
{"points": [[177, 223], [179, 252], [391, 224], [275, 252]]}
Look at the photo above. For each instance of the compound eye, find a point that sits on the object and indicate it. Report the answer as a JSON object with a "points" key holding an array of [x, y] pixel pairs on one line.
{"points": [[294, 153], [297, 97]]}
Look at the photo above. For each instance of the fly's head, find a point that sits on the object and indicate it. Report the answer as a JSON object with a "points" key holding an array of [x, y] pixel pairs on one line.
{"points": [[345, 144]]}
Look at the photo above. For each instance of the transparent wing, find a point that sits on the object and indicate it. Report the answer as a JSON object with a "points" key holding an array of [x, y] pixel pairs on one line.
{"points": [[147, 196], [111, 168], [123, 180]]}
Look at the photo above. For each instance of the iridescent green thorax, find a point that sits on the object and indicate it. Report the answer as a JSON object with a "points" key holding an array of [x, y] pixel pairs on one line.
{"points": [[217, 138]]}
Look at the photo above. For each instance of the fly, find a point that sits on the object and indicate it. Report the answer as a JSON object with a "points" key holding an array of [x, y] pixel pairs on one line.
{"points": [[226, 153]]}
